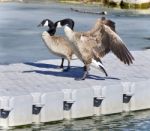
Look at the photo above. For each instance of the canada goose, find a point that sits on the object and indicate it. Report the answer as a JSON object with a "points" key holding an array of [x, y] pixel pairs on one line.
{"points": [[57, 45], [92, 45], [70, 24]]}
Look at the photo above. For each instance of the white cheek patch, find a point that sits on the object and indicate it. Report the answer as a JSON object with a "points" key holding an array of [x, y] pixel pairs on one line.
{"points": [[46, 23], [105, 12], [59, 25]]}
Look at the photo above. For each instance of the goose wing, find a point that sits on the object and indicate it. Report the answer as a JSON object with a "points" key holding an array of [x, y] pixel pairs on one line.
{"points": [[110, 41], [109, 23], [99, 22]]}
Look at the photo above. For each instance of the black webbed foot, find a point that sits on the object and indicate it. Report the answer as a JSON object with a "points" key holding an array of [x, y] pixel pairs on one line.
{"points": [[60, 67]]}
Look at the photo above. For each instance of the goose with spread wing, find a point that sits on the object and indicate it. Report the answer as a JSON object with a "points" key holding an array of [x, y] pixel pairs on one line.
{"points": [[92, 45]]}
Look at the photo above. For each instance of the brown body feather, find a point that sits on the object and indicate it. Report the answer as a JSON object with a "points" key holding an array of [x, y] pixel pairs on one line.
{"points": [[97, 42], [57, 45]]}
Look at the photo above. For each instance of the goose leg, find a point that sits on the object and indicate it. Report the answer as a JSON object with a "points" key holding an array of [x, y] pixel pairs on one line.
{"points": [[68, 67], [86, 69], [62, 63], [103, 70]]}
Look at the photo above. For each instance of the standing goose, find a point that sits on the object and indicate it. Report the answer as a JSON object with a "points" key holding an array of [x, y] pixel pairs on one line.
{"points": [[92, 45], [70, 24], [57, 45]]}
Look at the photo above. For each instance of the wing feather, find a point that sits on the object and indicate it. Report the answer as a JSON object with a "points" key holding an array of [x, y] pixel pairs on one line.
{"points": [[110, 41]]}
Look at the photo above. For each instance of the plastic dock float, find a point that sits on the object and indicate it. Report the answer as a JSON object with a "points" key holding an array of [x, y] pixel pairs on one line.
{"points": [[47, 107], [136, 96], [39, 92], [78, 103], [107, 100], [15, 107]]}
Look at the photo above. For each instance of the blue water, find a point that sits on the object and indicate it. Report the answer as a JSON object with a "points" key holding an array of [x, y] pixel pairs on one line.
{"points": [[20, 39]]}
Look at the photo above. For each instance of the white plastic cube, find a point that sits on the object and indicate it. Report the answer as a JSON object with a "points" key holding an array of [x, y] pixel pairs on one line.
{"points": [[140, 95], [16, 107], [111, 99], [51, 106], [82, 103]]}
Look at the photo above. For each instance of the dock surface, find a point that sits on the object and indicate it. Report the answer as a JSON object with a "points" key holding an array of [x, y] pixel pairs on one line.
{"points": [[95, 94], [47, 73]]}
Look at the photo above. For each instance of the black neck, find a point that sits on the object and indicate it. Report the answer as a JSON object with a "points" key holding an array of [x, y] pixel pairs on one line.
{"points": [[51, 31]]}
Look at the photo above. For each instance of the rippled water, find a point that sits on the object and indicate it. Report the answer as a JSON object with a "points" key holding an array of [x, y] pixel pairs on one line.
{"points": [[20, 39]]}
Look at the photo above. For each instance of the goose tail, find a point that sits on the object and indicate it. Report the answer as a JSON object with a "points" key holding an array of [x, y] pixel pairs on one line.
{"points": [[98, 65]]}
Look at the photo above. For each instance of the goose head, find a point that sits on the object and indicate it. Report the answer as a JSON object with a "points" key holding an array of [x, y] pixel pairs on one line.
{"points": [[50, 24], [104, 13], [65, 22], [68, 26]]}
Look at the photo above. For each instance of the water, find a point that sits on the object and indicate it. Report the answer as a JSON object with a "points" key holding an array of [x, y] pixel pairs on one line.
{"points": [[137, 121], [20, 39]]}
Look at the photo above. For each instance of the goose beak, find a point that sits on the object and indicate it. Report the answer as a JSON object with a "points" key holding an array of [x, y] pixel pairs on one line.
{"points": [[39, 25]]}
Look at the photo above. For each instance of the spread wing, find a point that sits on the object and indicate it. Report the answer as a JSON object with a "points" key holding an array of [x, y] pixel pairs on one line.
{"points": [[110, 23], [97, 26], [110, 41]]}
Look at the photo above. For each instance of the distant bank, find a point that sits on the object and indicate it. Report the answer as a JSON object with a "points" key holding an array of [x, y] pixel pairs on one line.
{"points": [[124, 4], [11, 0]]}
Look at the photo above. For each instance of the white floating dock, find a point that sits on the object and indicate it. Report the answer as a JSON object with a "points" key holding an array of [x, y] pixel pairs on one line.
{"points": [[40, 92]]}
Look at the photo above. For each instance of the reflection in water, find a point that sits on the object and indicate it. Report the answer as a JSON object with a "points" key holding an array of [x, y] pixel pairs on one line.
{"points": [[20, 39]]}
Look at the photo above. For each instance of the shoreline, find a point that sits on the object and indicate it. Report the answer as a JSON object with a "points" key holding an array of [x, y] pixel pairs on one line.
{"points": [[113, 4], [110, 4]]}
